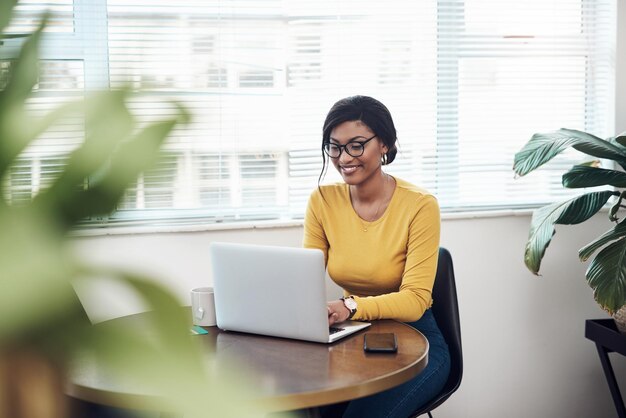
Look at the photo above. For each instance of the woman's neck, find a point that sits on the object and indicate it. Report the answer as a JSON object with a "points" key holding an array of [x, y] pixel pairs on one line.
{"points": [[372, 190]]}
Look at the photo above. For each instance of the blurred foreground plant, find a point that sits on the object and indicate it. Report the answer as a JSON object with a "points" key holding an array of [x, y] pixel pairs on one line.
{"points": [[42, 322]]}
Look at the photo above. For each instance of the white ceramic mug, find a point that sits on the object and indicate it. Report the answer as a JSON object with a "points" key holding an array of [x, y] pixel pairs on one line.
{"points": [[203, 306]]}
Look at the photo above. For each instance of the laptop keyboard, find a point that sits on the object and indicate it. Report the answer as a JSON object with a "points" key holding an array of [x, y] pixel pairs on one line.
{"points": [[332, 330]]}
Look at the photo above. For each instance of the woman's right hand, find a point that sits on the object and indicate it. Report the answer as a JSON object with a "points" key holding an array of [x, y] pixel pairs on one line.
{"points": [[337, 312]]}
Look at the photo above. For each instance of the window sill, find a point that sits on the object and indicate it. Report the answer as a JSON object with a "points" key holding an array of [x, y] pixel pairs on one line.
{"points": [[204, 227]]}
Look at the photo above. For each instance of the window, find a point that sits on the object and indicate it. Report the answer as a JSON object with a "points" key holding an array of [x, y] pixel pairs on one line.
{"points": [[28, 15], [27, 176], [21, 182], [467, 82], [213, 175], [156, 188], [259, 173]]}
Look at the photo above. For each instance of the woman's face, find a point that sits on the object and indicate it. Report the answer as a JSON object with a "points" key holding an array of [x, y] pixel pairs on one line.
{"points": [[356, 170]]}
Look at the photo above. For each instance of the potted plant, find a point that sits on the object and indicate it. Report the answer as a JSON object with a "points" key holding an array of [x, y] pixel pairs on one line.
{"points": [[43, 322], [606, 273]]}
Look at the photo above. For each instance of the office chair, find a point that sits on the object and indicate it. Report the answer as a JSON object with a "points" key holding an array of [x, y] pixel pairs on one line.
{"points": [[446, 311]]}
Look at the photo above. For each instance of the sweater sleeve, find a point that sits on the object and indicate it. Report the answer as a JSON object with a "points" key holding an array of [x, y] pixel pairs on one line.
{"points": [[314, 235], [414, 296]]}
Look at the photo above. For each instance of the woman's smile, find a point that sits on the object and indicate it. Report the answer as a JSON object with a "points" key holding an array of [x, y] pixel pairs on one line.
{"points": [[348, 169]]}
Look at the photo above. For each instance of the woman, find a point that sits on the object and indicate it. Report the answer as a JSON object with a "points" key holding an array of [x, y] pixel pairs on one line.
{"points": [[380, 238]]}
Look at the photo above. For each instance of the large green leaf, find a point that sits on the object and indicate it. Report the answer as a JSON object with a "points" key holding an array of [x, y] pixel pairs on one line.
{"points": [[619, 231], [38, 306], [109, 123], [24, 128], [24, 75], [587, 176], [34, 272], [163, 358], [130, 159], [543, 147], [607, 276], [6, 7], [572, 211], [110, 159], [25, 71]]}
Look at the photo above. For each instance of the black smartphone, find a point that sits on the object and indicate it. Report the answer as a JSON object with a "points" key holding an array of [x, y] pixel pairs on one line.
{"points": [[380, 342]]}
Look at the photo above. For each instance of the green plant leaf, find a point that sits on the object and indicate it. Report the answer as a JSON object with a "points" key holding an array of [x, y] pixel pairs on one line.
{"points": [[619, 231], [24, 73], [162, 358], [167, 313], [543, 147], [616, 207], [620, 139], [29, 128], [6, 12], [130, 159], [34, 272], [38, 306], [607, 276], [109, 123], [587, 176], [23, 76], [572, 211]]}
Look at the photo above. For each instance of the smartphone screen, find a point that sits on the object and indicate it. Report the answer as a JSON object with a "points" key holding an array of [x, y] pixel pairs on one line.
{"points": [[380, 342]]}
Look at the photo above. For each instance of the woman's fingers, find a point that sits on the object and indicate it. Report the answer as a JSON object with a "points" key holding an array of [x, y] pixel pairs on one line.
{"points": [[336, 312]]}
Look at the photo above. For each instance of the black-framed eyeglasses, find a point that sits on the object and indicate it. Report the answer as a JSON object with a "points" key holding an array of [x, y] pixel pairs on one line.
{"points": [[353, 148]]}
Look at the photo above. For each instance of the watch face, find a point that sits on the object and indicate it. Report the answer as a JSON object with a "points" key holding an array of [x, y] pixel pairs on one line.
{"points": [[350, 303]]}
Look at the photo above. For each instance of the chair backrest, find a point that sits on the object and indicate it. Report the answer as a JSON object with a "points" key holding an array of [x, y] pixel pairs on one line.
{"points": [[446, 311]]}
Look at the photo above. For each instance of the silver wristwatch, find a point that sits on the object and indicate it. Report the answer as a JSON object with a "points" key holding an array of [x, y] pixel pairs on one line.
{"points": [[350, 303]]}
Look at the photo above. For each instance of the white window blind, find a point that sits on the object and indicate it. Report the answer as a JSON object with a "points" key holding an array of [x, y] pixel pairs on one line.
{"points": [[27, 16], [467, 82], [61, 79]]}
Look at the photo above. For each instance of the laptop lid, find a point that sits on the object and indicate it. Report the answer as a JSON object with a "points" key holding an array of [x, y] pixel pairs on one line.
{"points": [[270, 290]]}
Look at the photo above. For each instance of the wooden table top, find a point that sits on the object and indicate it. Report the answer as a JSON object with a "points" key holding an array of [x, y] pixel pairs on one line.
{"points": [[285, 374]]}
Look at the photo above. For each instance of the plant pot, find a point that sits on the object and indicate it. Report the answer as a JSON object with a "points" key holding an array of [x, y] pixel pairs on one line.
{"points": [[30, 385], [620, 319]]}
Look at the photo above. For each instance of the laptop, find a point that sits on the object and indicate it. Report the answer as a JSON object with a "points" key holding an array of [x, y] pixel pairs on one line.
{"points": [[276, 291]]}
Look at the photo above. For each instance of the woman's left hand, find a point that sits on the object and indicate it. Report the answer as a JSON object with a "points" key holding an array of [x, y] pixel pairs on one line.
{"points": [[337, 312]]}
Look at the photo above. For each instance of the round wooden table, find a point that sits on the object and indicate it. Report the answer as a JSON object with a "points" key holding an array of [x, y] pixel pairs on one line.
{"points": [[285, 374]]}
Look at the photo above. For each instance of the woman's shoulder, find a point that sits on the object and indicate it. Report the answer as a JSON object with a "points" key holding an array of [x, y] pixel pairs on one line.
{"points": [[410, 191], [413, 201]]}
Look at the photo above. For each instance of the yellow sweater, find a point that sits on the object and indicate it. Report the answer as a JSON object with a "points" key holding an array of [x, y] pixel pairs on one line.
{"points": [[390, 268]]}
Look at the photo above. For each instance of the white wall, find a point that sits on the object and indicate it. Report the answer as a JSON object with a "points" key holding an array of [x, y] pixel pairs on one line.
{"points": [[524, 348]]}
